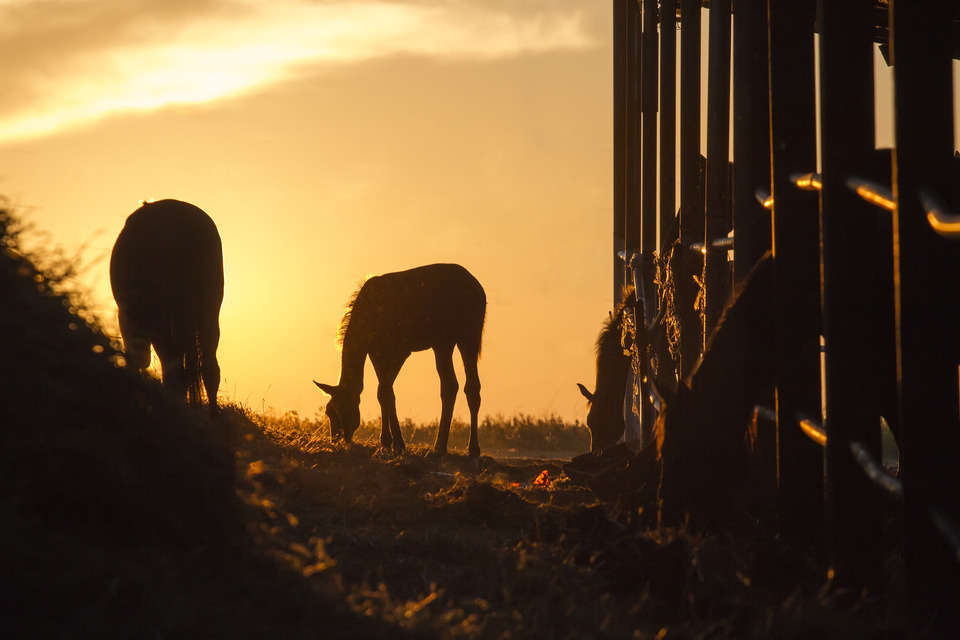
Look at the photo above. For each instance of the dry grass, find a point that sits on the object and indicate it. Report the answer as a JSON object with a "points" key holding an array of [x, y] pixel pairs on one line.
{"points": [[521, 434]]}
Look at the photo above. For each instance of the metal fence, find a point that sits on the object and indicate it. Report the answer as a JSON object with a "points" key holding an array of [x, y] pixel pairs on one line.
{"points": [[865, 249]]}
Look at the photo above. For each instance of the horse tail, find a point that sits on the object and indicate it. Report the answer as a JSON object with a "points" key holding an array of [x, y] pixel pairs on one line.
{"points": [[192, 366]]}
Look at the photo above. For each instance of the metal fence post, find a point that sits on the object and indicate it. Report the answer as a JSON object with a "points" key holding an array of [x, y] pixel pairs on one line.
{"points": [[853, 314], [668, 118], [619, 143], [751, 133], [718, 220], [928, 306], [634, 158], [691, 193], [752, 233], [796, 242]]}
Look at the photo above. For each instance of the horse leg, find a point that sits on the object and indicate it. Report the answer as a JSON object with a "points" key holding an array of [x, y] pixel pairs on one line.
{"points": [[448, 395], [208, 338], [471, 388], [387, 371]]}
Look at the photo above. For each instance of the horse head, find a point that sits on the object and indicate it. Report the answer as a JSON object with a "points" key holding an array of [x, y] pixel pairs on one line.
{"points": [[605, 405], [604, 419], [343, 411]]}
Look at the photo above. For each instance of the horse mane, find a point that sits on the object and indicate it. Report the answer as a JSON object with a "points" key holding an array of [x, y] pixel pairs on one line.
{"points": [[611, 328], [345, 321]]}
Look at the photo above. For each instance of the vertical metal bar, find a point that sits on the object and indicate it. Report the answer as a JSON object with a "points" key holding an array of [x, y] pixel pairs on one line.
{"points": [[851, 282], [619, 140], [648, 98], [668, 118], [751, 132], [633, 172], [751, 168], [928, 306], [648, 101], [796, 243], [717, 219], [691, 194], [633, 132]]}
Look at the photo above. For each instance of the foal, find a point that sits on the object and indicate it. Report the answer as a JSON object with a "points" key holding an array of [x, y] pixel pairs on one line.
{"points": [[439, 307]]}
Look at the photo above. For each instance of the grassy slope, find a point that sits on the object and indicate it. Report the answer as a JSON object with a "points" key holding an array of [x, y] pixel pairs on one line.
{"points": [[119, 509], [123, 514]]}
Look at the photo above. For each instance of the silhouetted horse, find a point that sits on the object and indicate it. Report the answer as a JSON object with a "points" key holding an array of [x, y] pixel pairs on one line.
{"points": [[605, 404], [439, 307], [166, 272]]}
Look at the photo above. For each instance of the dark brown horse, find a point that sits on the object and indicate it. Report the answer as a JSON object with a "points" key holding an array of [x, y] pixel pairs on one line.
{"points": [[166, 272], [605, 405], [439, 307]]}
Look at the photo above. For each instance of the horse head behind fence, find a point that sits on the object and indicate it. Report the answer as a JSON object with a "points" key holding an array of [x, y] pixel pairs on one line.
{"points": [[605, 404]]}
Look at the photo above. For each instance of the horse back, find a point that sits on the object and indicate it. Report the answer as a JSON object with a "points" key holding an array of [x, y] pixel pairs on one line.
{"points": [[168, 261], [417, 309]]}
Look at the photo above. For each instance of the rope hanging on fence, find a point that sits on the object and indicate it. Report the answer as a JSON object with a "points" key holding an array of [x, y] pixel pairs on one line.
{"points": [[666, 285]]}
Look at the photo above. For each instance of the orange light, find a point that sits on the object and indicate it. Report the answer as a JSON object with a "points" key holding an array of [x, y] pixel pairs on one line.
{"points": [[543, 479], [876, 198]]}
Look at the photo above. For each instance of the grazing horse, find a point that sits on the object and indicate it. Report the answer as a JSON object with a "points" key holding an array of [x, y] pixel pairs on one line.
{"points": [[166, 272], [439, 307], [605, 405]]}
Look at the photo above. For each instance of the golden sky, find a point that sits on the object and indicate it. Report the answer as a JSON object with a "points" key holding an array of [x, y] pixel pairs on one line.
{"points": [[331, 140]]}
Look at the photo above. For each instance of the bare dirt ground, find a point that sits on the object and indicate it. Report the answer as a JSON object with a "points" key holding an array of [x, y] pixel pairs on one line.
{"points": [[447, 551]]}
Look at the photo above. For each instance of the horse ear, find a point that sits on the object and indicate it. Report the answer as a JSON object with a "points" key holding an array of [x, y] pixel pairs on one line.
{"points": [[586, 394], [328, 389]]}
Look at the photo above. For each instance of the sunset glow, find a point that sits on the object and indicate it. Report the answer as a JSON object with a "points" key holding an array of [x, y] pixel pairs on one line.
{"points": [[244, 46], [330, 140]]}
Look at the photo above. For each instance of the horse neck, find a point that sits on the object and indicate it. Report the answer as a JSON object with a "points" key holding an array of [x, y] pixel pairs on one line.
{"points": [[352, 359], [612, 368]]}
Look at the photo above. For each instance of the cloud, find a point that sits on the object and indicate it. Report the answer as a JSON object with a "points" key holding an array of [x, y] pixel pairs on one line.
{"points": [[76, 61]]}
